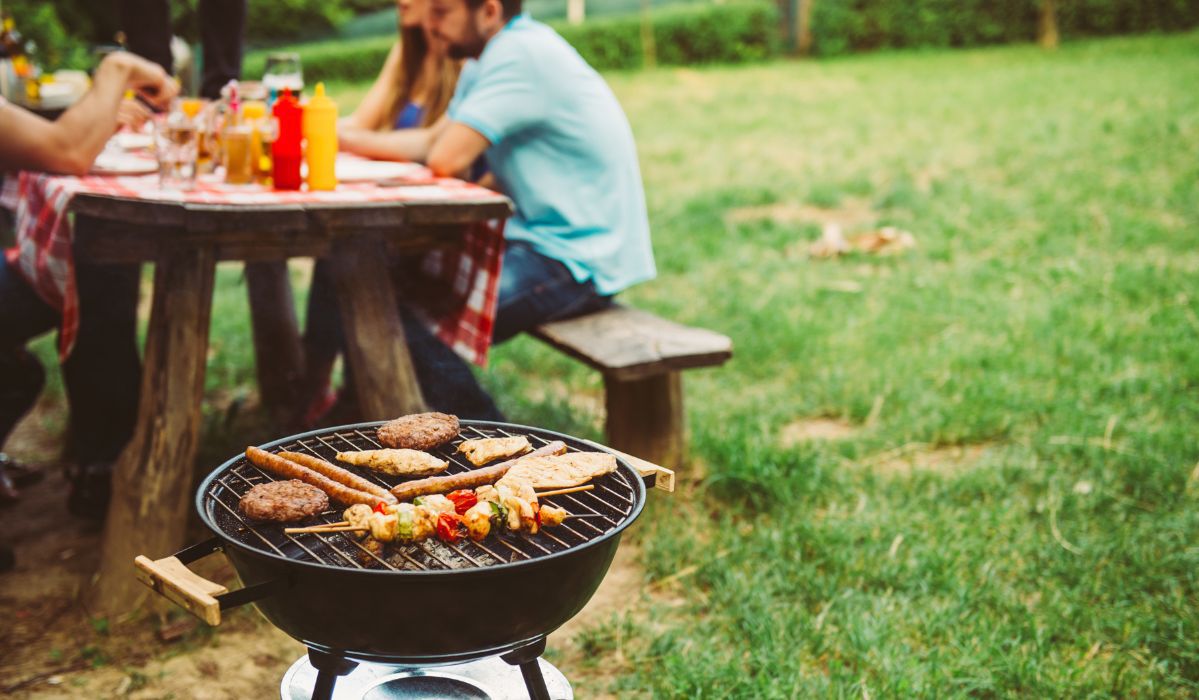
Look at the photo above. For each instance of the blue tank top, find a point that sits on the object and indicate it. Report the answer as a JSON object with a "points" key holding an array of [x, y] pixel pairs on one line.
{"points": [[410, 117]]}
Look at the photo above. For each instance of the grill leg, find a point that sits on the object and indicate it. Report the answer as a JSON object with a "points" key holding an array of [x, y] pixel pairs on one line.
{"points": [[329, 667], [526, 658]]}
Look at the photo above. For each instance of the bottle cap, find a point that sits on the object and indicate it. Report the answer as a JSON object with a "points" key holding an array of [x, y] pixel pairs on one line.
{"points": [[320, 101]]}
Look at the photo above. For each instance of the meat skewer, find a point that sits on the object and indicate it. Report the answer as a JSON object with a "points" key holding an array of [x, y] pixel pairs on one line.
{"points": [[339, 475], [470, 479], [563, 492], [291, 470]]}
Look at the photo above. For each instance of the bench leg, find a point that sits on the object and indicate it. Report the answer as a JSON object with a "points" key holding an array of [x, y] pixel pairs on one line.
{"points": [[645, 418]]}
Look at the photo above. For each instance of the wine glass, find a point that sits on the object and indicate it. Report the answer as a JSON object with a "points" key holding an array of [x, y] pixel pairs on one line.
{"points": [[283, 71]]}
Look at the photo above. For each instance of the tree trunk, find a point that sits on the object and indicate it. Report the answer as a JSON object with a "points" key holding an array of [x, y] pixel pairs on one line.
{"points": [[1047, 35], [649, 49], [575, 11], [803, 28]]}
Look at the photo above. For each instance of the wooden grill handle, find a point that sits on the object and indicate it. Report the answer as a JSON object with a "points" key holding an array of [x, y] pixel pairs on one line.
{"points": [[663, 477], [171, 579]]}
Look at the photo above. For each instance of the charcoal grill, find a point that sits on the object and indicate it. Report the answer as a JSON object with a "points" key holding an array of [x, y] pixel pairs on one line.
{"points": [[422, 604]]}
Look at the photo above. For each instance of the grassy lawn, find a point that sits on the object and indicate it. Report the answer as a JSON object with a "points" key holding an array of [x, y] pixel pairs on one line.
{"points": [[1010, 508]]}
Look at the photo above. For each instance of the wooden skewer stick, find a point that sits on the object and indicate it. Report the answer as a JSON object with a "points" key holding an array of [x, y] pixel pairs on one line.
{"points": [[562, 492]]}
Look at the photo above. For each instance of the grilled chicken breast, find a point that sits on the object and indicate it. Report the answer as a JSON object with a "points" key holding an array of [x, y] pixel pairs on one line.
{"points": [[561, 471], [484, 450], [398, 462]]}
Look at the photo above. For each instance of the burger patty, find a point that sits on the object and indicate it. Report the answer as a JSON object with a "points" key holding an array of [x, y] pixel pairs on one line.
{"points": [[283, 501], [419, 431]]}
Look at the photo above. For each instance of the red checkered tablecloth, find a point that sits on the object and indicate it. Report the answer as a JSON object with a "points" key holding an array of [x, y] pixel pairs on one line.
{"points": [[44, 253]]}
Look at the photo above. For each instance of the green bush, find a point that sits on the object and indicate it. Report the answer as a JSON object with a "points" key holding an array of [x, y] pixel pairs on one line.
{"points": [[43, 24], [686, 34], [288, 19], [840, 26], [739, 31], [1096, 17], [357, 60]]}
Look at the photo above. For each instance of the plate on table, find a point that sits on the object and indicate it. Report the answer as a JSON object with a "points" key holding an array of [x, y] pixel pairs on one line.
{"points": [[116, 163], [354, 170], [130, 141]]}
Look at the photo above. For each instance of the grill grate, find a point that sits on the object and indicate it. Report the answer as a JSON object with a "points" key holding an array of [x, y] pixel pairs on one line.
{"points": [[607, 505]]}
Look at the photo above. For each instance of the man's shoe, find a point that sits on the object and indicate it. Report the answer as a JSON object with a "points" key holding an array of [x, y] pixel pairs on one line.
{"points": [[91, 487], [8, 560]]}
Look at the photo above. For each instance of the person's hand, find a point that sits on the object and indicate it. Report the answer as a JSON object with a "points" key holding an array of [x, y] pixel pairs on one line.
{"points": [[132, 115], [349, 138], [148, 80]]}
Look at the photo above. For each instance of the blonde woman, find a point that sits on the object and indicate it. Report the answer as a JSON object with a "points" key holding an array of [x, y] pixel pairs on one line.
{"points": [[411, 93]]}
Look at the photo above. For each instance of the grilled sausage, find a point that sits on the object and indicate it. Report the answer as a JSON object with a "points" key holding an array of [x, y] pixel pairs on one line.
{"points": [[290, 470], [339, 475], [470, 479]]}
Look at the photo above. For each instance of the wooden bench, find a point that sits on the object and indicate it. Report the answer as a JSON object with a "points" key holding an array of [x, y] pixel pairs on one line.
{"points": [[641, 357]]}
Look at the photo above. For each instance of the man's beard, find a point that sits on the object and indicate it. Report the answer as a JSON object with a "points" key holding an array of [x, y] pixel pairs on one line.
{"points": [[471, 47]]}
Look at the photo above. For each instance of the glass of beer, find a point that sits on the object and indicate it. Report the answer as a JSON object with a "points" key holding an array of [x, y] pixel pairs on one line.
{"points": [[237, 146]]}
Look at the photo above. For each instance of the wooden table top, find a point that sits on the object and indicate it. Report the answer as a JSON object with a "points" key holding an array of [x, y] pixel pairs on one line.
{"points": [[116, 229]]}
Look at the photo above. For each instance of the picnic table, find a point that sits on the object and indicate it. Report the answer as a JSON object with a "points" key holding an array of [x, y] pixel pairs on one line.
{"points": [[124, 220]]}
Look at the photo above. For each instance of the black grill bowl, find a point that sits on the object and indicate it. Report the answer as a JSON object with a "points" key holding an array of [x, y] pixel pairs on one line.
{"points": [[421, 617]]}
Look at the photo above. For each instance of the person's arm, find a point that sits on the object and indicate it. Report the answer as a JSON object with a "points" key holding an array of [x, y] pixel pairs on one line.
{"points": [[375, 109], [71, 143], [456, 150], [403, 144], [488, 180], [505, 97]]}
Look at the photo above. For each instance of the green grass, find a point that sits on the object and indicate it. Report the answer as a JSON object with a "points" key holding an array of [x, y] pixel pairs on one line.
{"points": [[1050, 314], [383, 22], [1054, 289], [1054, 197]]}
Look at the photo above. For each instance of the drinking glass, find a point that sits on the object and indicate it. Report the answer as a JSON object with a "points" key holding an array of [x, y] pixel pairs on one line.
{"points": [[237, 146], [175, 144], [283, 71]]}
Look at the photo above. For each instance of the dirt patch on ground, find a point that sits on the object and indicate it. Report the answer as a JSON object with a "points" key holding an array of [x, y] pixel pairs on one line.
{"points": [[850, 214], [619, 593], [916, 457], [53, 647], [809, 429], [609, 636]]}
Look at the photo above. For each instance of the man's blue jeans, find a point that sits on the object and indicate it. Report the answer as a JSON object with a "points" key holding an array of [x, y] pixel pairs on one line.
{"points": [[533, 290]]}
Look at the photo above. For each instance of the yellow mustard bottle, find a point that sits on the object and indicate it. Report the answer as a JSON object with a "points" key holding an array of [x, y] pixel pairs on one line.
{"points": [[320, 134]]}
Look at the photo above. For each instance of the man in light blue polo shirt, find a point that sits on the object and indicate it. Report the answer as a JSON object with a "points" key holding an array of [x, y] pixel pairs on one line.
{"points": [[559, 145]]}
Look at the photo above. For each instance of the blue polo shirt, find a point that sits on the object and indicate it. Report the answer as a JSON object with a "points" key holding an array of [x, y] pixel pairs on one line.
{"points": [[563, 151]]}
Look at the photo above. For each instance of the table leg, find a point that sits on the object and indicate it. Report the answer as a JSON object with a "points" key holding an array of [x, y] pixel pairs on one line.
{"points": [[375, 345], [278, 355], [152, 479]]}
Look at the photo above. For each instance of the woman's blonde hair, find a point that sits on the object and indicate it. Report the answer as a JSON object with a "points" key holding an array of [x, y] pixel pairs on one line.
{"points": [[414, 46]]}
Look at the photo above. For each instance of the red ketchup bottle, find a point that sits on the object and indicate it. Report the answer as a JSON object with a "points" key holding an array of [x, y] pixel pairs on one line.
{"points": [[286, 152]]}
